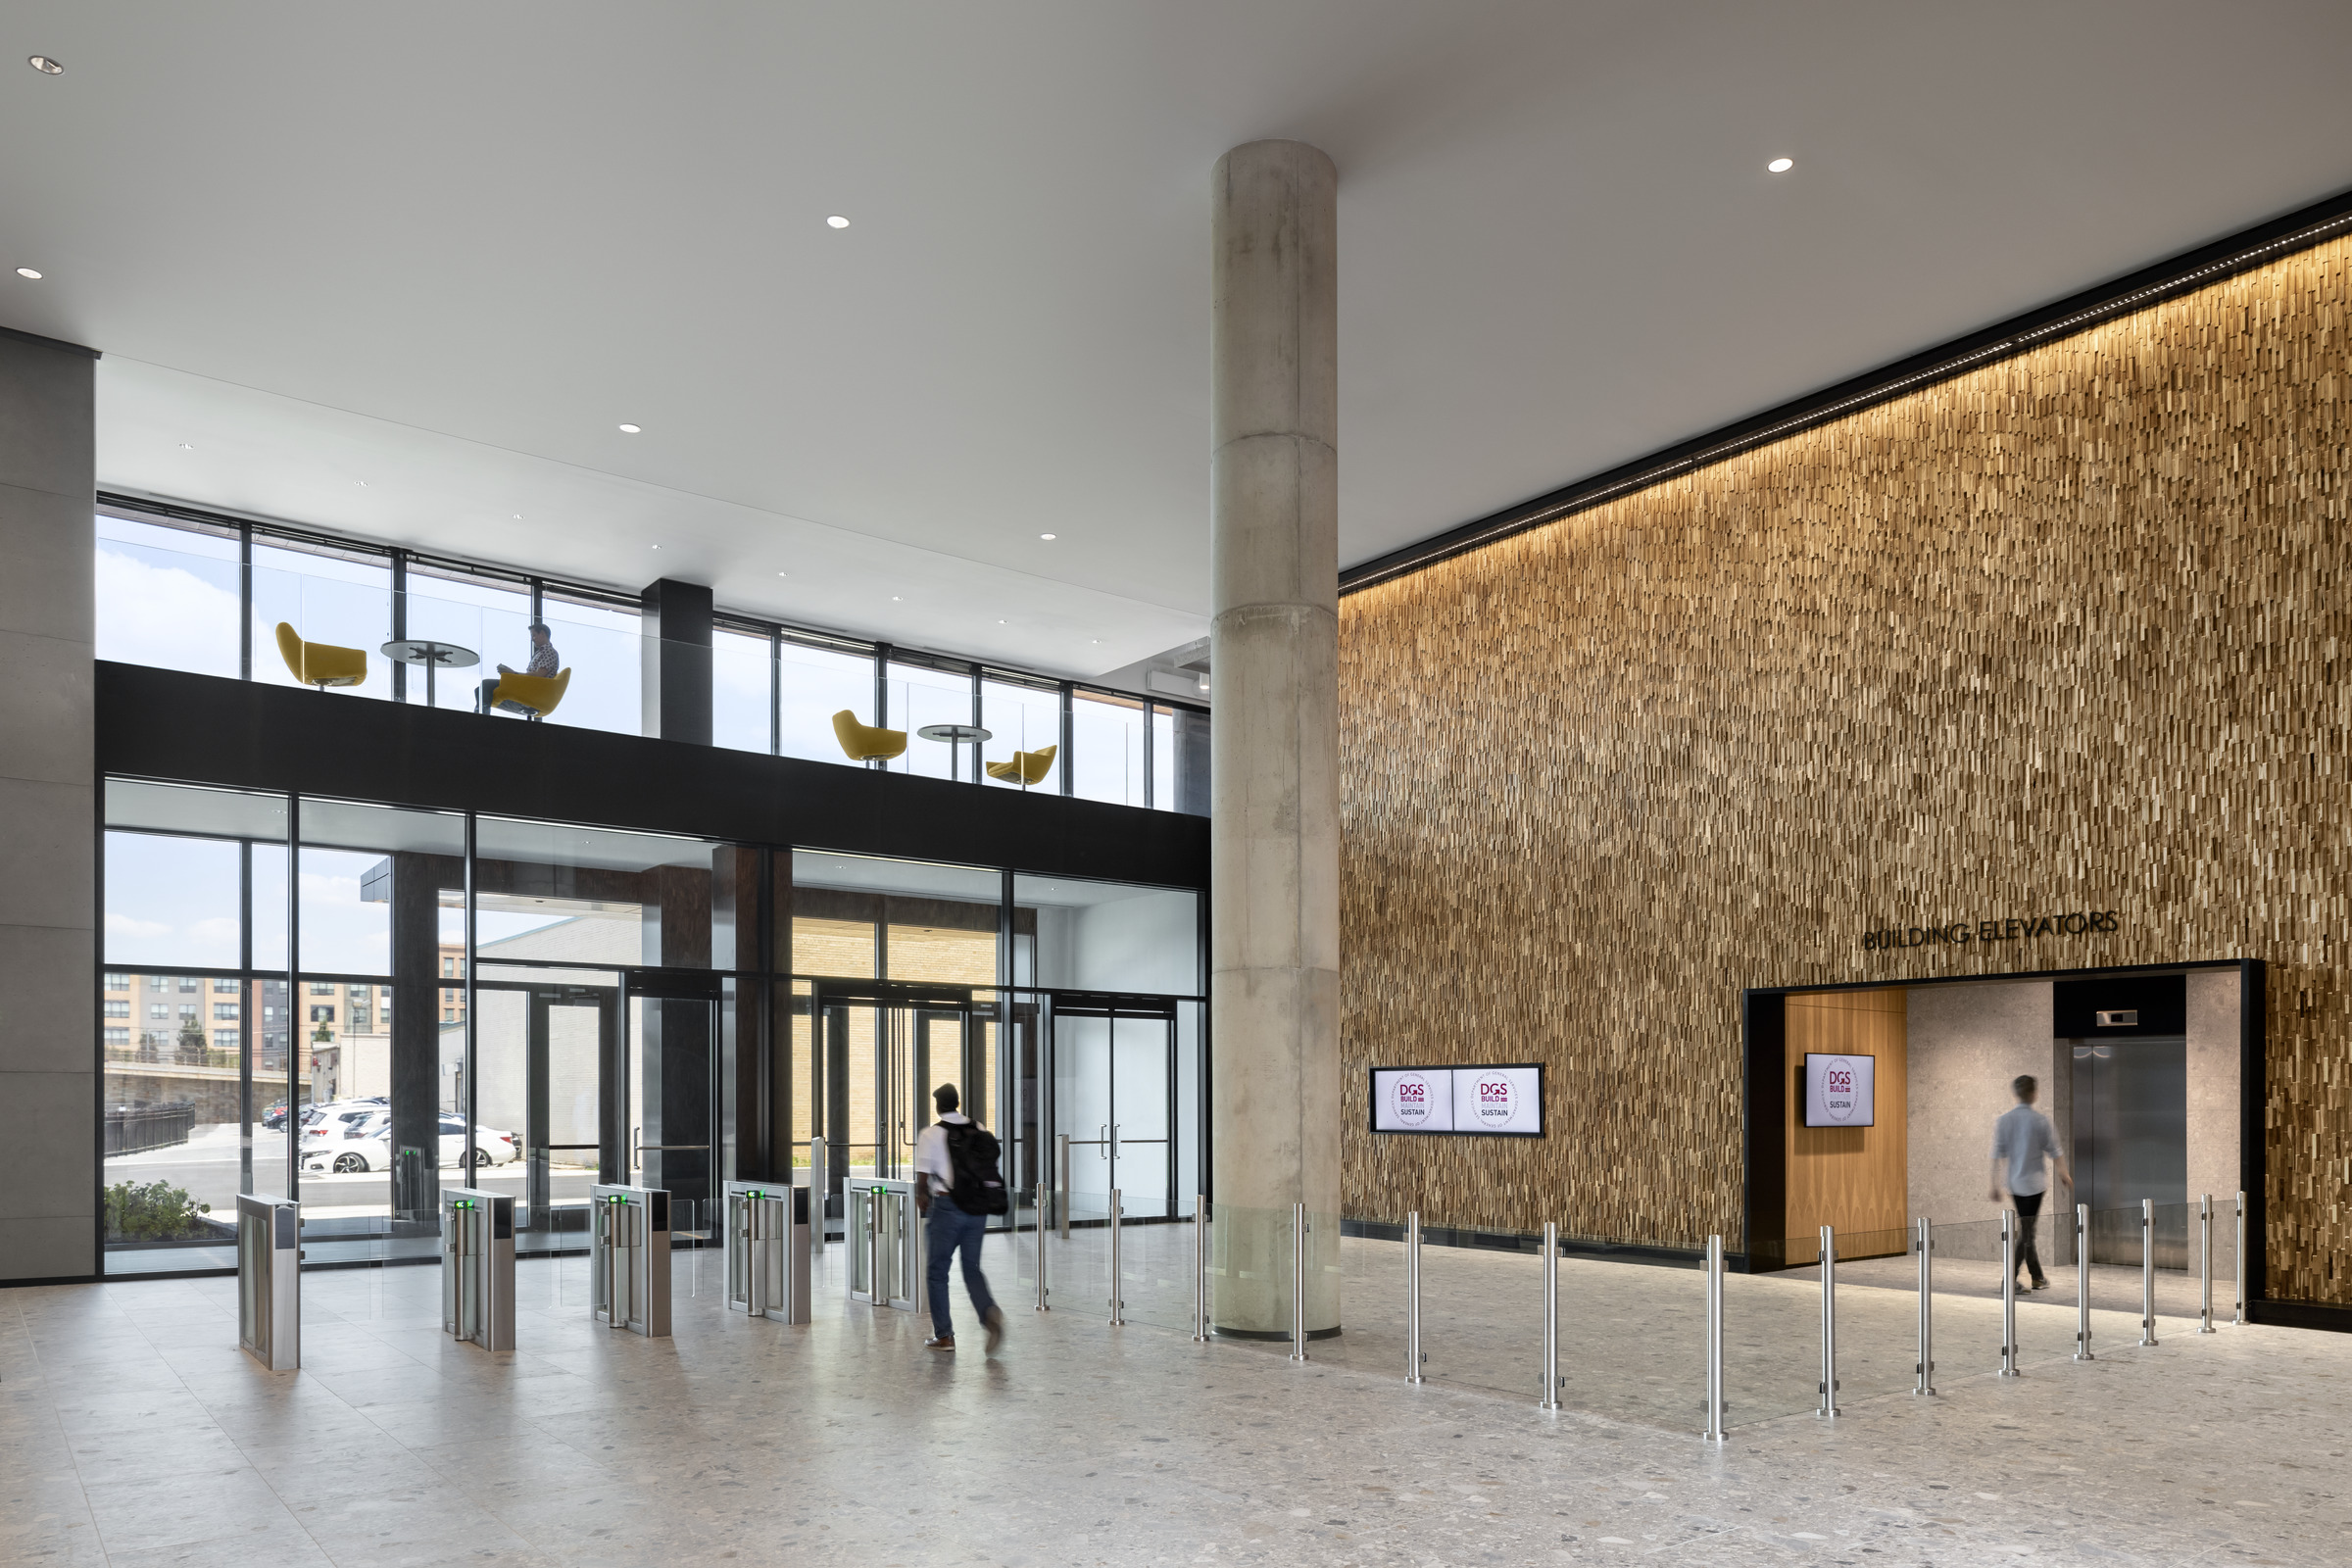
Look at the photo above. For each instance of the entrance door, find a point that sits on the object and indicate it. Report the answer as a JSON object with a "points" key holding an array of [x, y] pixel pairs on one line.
{"points": [[1114, 1094], [677, 1110], [569, 1146], [886, 1046]]}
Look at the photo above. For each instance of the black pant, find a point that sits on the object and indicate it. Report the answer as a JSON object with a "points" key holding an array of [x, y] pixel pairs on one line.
{"points": [[2028, 1215]]}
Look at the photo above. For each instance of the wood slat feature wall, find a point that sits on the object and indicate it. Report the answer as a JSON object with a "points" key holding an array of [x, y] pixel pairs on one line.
{"points": [[1855, 1178], [2068, 632]]}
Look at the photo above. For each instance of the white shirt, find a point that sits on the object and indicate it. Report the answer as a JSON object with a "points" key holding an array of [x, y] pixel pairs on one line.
{"points": [[931, 1152]]}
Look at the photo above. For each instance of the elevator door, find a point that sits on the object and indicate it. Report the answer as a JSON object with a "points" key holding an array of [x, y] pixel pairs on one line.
{"points": [[2130, 1142]]}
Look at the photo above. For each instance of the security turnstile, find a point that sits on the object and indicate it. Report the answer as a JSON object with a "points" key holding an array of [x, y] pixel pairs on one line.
{"points": [[886, 1243], [477, 1266], [767, 1250], [270, 1280], [628, 1258]]}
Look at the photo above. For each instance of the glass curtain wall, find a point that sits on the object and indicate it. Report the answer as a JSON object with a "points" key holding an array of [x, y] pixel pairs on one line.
{"points": [[591, 1025], [209, 598]]}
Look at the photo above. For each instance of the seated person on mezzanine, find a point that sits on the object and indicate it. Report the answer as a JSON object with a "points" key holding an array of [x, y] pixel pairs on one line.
{"points": [[544, 663]]}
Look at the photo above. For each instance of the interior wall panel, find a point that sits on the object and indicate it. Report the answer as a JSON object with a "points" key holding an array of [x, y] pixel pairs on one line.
{"points": [[2066, 634]]}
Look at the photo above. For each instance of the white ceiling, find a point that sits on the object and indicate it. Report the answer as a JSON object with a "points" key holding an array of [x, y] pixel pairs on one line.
{"points": [[447, 249]]}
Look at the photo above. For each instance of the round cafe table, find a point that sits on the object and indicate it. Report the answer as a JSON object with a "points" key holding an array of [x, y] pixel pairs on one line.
{"points": [[432, 656], [953, 736]]}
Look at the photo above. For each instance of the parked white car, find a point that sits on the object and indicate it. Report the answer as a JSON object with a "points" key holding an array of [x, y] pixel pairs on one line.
{"points": [[367, 1145]]}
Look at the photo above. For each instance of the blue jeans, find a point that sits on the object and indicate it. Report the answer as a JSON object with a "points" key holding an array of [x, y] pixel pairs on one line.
{"points": [[951, 1228]]}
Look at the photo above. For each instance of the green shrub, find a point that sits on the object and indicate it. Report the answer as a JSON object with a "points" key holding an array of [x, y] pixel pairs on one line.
{"points": [[155, 1212]]}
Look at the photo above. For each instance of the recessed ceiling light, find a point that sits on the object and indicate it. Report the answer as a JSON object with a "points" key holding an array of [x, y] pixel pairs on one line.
{"points": [[1044, 536], [783, 573], [837, 222], [654, 547], [184, 447], [26, 272], [362, 483], [894, 598], [632, 429], [1781, 166], [518, 517], [44, 65]]}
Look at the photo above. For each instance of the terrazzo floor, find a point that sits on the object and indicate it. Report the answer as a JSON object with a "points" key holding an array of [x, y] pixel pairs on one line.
{"points": [[132, 1431]]}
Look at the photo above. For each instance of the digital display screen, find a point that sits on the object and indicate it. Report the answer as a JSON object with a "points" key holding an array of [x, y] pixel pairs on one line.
{"points": [[1840, 1090], [1498, 1101]]}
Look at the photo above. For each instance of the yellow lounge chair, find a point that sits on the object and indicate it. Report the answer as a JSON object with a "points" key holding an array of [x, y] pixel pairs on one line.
{"points": [[532, 696], [1026, 767], [865, 742], [321, 664]]}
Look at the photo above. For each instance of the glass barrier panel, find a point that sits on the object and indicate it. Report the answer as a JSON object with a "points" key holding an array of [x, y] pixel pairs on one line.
{"points": [[1771, 1337], [1156, 1267], [603, 649], [1482, 1315], [921, 697], [1107, 748], [168, 598], [1633, 1340], [488, 620], [812, 684], [1021, 718], [1078, 1265], [742, 696], [325, 599], [1878, 1313], [1250, 1273]]}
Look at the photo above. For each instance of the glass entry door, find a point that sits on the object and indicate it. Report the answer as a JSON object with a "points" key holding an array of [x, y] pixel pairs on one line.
{"points": [[885, 1047], [547, 1111], [1114, 1094]]}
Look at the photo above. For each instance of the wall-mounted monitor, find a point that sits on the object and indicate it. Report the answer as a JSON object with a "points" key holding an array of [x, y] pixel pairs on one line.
{"points": [[1495, 1101], [1840, 1090]]}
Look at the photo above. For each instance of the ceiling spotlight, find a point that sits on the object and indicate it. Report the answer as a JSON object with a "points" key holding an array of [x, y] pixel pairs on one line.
{"points": [[362, 483], [26, 272], [44, 65], [632, 429], [653, 547], [1044, 536], [783, 573], [184, 447], [1781, 166], [894, 598], [837, 222], [518, 517]]}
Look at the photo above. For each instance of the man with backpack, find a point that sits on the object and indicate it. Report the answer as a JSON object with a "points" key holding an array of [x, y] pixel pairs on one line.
{"points": [[956, 1187]]}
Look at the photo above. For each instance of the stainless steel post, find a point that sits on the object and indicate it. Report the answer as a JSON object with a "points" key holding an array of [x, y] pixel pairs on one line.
{"points": [[1927, 1309], [1061, 1183], [1551, 1317], [1413, 1358], [1042, 1189], [2147, 1271], [1200, 1267], [1115, 1282], [2240, 1315], [2205, 1263], [2008, 1292], [1828, 1321], [1714, 1428], [2083, 1283], [1298, 1281]]}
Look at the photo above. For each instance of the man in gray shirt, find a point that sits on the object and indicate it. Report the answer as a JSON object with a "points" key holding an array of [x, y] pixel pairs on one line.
{"points": [[2025, 1148]]}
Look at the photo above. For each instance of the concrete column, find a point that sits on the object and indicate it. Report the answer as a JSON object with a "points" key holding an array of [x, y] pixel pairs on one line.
{"points": [[48, 853], [1274, 825]]}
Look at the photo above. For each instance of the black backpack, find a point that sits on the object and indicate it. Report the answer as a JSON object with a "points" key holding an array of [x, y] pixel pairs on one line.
{"points": [[972, 1151]]}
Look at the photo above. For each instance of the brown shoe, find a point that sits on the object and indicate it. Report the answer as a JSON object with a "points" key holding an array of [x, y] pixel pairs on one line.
{"points": [[996, 1328], [942, 1342]]}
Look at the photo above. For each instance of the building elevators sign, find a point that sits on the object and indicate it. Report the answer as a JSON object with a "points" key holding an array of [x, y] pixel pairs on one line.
{"points": [[2014, 928]]}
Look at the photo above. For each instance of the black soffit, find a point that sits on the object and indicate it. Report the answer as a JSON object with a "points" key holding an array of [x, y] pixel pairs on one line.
{"points": [[2248, 248]]}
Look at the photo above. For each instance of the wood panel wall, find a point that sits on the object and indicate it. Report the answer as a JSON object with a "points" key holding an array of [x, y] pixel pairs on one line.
{"points": [[1855, 1178], [2069, 632]]}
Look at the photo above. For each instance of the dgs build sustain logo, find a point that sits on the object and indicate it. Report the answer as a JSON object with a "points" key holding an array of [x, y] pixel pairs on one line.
{"points": [[1497, 1099], [2075, 923], [1411, 1099]]}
